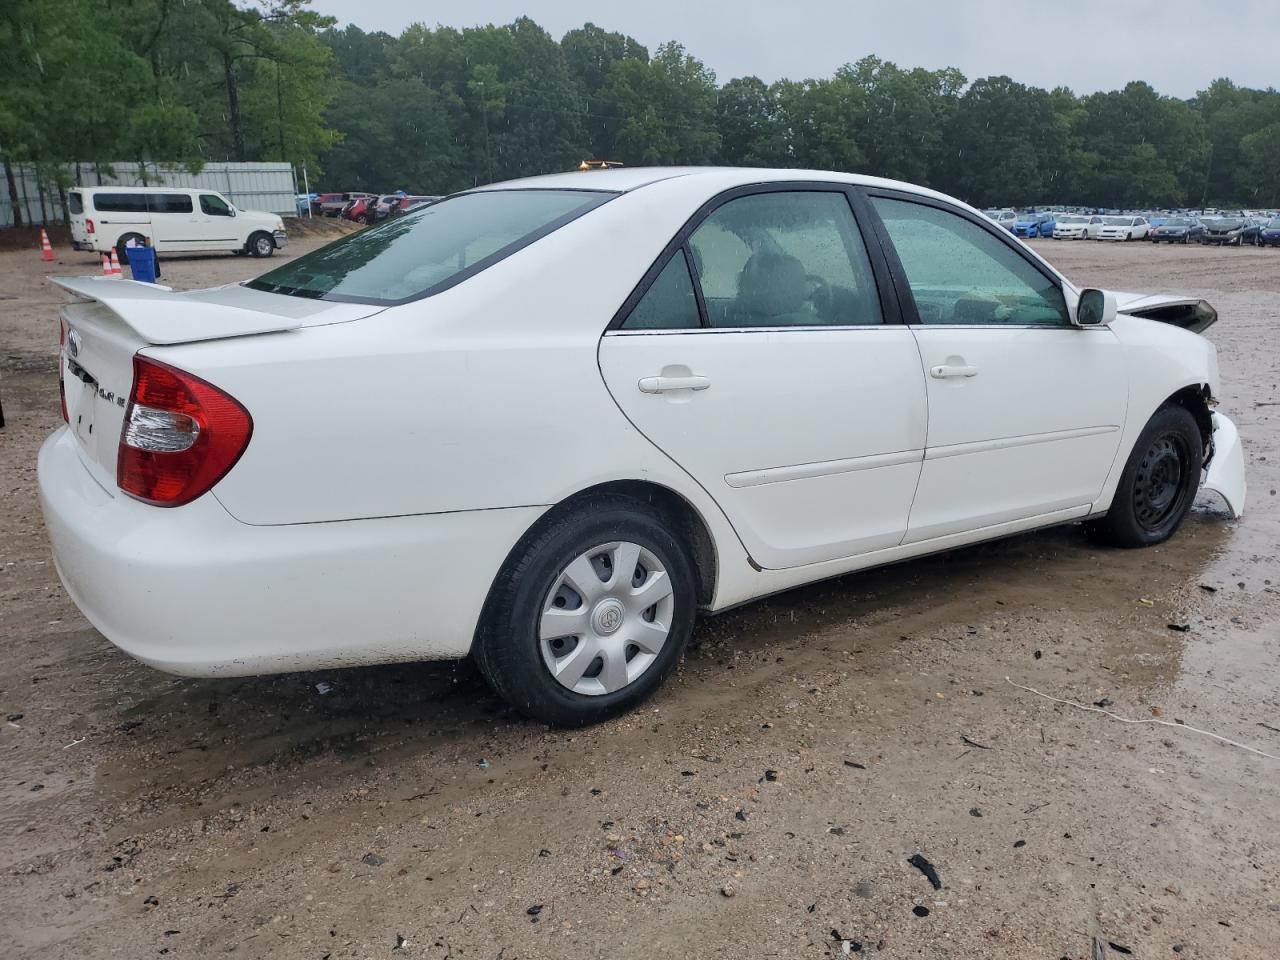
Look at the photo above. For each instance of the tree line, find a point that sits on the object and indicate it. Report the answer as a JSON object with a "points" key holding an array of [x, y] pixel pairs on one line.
{"points": [[435, 110]]}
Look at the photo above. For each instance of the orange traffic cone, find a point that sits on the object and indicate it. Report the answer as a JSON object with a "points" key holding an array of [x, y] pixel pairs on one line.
{"points": [[115, 266], [106, 265], [46, 250]]}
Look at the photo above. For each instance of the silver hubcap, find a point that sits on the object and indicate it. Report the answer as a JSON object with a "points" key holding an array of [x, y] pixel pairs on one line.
{"points": [[264, 245], [606, 618]]}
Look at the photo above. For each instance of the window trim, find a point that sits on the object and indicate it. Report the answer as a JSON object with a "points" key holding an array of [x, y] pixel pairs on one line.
{"points": [[910, 313], [890, 313]]}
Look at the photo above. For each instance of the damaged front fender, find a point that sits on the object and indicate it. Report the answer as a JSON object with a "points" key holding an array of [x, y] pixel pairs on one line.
{"points": [[1225, 468]]}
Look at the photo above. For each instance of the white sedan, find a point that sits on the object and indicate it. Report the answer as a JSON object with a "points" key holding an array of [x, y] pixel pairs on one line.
{"points": [[1124, 228], [1077, 227], [545, 423]]}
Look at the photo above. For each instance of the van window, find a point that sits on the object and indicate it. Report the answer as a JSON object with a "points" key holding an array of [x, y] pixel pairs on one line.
{"points": [[170, 203], [431, 248], [214, 206], [120, 202], [75, 203]]}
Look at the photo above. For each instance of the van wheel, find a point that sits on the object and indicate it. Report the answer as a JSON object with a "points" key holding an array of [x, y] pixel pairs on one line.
{"points": [[590, 615], [1158, 484], [262, 245]]}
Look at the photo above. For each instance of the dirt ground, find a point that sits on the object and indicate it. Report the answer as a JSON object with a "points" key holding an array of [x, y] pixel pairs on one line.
{"points": [[765, 804]]}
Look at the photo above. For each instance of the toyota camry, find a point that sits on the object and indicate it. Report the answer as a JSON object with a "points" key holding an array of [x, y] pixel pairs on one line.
{"points": [[546, 423]]}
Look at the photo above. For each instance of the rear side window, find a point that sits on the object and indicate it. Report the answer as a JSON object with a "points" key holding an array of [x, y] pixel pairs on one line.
{"points": [[670, 303], [75, 202], [120, 202], [430, 248], [170, 203]]}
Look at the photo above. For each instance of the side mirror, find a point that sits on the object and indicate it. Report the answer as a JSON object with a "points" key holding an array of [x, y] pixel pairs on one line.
{"points": [[1096, 308]]}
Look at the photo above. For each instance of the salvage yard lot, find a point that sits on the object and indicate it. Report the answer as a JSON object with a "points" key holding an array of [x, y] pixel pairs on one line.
{"points": [[765, 803]]}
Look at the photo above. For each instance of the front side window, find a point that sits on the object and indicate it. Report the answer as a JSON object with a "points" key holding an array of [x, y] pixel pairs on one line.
{"points": [[669, 303], [214, 206], [785, 259], [959, 273], [430, 248]]}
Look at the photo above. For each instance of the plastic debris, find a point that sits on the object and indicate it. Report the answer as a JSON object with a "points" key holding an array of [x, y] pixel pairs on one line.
{"points": [[855, 766], [1019, 844], [975, 812], [927, 868], [401, 943], [322, 688], [373, 860], [1180, 627], [920, 911], [534, 910]]}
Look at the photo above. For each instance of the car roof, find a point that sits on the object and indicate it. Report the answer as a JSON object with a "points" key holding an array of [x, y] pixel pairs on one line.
{"points": [[627, 179], [117, 189]]}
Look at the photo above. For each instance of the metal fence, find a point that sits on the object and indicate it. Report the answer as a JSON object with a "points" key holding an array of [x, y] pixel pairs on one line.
{"points": [[268, 186]]}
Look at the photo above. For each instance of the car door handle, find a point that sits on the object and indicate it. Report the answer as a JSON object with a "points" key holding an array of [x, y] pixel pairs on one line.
{"points": [[946, 371], [666, 384]]}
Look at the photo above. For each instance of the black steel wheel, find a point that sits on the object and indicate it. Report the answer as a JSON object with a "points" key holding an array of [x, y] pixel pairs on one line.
{"points": [[1158, 484]]}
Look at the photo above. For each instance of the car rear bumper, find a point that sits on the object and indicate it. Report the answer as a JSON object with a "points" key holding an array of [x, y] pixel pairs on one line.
{"points": [[193, 591], [1225, 473]]}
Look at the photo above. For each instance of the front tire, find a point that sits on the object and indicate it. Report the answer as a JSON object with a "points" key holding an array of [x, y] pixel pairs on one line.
{"points": [[262, 245], [590, 615], [1158, 484]]}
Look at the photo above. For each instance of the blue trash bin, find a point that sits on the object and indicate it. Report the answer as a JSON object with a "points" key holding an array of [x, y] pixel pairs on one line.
{"points": [[142, 263]]}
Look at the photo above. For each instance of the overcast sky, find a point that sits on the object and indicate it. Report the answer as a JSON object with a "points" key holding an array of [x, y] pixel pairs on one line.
{"points": [[1177, 46]]}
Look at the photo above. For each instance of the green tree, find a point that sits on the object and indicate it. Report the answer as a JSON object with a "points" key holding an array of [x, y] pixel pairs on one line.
{"points": [[749, 121]]}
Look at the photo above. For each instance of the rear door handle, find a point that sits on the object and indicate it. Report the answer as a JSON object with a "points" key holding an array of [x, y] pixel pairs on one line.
{"points": [[667, 384], [946, 371]]}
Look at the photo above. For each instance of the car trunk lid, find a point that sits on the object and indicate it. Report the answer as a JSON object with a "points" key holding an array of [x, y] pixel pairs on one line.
{"points": [[114, 319]]}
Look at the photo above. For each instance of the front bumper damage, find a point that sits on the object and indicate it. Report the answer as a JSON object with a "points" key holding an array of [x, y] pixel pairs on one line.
{"points": [[1224, 469]]}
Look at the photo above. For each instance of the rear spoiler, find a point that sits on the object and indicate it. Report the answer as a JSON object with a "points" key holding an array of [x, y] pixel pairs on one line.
{"points": [[160, 316]]}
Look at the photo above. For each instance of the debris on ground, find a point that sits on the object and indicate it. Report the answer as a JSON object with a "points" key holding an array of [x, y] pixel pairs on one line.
{"points": [[322, 688], [927, 868], [1180, 627], [920, 911], [373, 860], [973, 743]]}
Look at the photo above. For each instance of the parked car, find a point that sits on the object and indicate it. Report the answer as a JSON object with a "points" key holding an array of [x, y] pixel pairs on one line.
{"points": [[1269, 233], [304, 202], [332, 204], [1230, 231], [1077, 227], [412, 200], [176, 219], [1005, 218], [359, 209], [1033, 225], [1178, 230], [1123, 228], [521, 424]]}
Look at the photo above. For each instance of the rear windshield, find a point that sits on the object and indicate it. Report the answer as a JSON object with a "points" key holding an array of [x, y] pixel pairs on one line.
{"points": [[75, 203], [430, 248]]}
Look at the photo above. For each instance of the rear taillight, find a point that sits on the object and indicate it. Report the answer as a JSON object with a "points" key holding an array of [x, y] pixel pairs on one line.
{"points": [[62, 369], [181, 435], [88, 225]]}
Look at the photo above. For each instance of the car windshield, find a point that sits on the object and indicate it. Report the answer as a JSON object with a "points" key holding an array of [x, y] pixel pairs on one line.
{"points": [[1178, 222], [429, 249], [1072, 220], [1118, 221], [1228, 223], [1273, 224]]}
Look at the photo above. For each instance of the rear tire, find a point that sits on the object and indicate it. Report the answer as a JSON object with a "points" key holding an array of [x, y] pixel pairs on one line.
{"points": [[550, 576], [1158, 484]]}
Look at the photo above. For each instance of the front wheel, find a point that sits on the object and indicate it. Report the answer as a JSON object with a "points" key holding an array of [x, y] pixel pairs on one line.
{"points": [[590, 615], [262, 245], [1158, 484]]}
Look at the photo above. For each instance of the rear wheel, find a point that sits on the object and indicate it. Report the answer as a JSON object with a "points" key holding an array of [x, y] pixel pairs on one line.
{"points": [[262, 245], [590, 616], [1158, 484]]}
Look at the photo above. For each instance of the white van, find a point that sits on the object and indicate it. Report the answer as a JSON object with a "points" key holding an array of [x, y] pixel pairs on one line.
{"points": [[177, 219]]}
